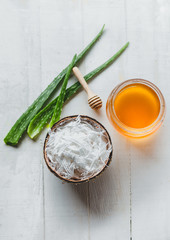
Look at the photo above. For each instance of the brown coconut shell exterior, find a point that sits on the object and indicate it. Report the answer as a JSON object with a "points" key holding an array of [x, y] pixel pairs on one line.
{"points": [[94, 123]]}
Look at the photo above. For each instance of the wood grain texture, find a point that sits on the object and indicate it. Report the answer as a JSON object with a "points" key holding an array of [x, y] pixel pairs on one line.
{"points": [[21, 197], [130, 200], [148, 31]]}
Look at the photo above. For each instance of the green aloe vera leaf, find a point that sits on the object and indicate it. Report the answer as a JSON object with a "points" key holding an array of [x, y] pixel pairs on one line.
{"points": [[43, 117], [13, 136], [60, 99]]}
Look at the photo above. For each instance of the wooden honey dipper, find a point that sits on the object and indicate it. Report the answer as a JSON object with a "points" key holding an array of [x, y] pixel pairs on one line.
{"points": [[93, 100]]}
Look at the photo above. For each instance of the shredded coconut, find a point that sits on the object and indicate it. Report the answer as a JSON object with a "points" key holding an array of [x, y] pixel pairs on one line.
{"points": [[77, 149]]}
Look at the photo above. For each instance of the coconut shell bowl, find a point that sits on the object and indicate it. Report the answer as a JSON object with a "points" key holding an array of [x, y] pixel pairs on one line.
{"points": [[94, 124]]}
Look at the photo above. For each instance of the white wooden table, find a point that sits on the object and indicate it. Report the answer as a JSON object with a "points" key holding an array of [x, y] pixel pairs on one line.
{"points": [[131, 199]]}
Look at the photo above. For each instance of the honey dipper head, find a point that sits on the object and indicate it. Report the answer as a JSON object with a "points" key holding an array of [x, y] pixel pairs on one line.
{"points": [[95, 102]]}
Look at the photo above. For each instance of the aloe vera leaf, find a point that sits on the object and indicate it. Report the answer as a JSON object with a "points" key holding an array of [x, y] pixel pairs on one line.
{"points": [[43, 117], [20, 126], [60, 99]]}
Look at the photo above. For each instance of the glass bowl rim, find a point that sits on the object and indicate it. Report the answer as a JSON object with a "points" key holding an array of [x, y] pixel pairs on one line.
{"points": [[137, 131]]}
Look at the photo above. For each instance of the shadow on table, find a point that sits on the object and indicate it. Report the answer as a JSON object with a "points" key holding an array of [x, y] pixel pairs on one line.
{"points": [[110, 192], [146, 144], [101, 196]]}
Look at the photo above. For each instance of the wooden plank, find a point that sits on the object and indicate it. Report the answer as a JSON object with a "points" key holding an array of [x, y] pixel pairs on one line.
{"points": [[148, 30], [21, 202], [109, 202], [66, 206]]}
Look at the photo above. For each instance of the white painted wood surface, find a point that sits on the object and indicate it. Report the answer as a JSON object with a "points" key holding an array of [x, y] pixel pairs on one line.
{"points": [[131, 199]]}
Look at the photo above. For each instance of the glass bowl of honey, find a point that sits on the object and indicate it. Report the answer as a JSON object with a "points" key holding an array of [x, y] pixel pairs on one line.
{"points": [[136, 108]]}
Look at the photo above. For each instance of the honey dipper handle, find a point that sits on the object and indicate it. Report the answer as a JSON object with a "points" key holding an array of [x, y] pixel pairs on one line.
{"points": [[82, 81]]}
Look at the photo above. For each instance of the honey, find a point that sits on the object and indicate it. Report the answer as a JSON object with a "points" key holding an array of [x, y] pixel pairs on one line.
{"points": [[136, 108]]}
